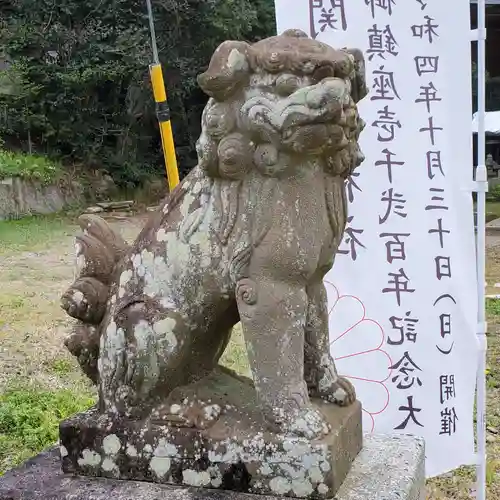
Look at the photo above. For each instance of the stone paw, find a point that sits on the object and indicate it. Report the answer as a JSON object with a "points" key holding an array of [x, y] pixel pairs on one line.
{"points": [[195, 414], [306, 422], [341, 392]]}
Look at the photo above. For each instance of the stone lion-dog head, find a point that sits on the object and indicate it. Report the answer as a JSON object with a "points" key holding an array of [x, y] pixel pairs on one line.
{"points": [[277, 99]]}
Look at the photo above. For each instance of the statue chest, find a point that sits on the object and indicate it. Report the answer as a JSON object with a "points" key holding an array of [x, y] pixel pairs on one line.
{"points": [[300, 239], [301, 209]]}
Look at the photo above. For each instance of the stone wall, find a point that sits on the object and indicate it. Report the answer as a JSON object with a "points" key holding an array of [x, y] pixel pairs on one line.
{"points": [[21, 197]]}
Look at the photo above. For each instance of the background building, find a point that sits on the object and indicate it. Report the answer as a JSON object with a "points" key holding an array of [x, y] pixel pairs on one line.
{"points": [[492, 82]]}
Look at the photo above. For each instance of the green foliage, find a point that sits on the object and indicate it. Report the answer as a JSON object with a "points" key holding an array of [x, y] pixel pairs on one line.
{"points": [[81, 75], [29, 420], [493, 307], [493, 193], [61, 367], [28, 167]]}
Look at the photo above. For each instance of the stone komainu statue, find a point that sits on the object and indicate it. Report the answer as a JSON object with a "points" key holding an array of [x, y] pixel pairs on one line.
{"points": [[247, 236]]}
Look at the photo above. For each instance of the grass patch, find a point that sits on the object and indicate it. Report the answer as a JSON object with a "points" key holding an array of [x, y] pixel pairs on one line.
{"points": [[29, 420], [61, 367], [235, 357], [27, 166], [493, 307], [29, 232], [492, 210], [13, 302]]}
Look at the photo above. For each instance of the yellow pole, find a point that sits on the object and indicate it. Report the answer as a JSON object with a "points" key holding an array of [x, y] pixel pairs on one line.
{"points": [[163, 114], [162, 109]]}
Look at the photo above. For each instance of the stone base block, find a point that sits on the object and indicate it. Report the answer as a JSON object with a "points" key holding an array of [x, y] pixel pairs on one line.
{"points": [[388, 468], [236, 452]]}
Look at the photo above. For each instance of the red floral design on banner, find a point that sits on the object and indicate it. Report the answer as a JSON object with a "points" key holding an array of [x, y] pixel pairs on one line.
{"points": [[357, 347]]}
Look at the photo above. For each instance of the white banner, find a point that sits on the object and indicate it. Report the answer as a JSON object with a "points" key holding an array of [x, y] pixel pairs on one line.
{"points": [[403, 289]]}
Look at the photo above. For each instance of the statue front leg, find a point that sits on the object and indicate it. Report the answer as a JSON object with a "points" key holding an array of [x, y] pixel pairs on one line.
{"points": [[321, 375], [273, 315], [141, 349]]}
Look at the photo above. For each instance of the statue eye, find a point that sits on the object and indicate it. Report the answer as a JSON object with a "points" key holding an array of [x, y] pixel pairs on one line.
{"points": [[322, 72], [287, 84]]}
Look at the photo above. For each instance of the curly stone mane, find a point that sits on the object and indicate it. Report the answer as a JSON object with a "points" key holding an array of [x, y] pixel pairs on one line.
{"points": [[322, 118]]}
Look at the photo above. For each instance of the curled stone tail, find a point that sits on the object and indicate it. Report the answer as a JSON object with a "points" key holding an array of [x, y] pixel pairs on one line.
{"points": [[98, 249]]}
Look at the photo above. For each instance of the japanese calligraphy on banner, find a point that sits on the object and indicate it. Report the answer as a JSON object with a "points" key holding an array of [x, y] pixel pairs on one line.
{"points": [[402, 293]]}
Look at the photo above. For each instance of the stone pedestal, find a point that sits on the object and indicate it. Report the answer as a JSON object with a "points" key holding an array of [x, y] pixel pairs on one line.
{"points": [[235, 452], [388, 468]]}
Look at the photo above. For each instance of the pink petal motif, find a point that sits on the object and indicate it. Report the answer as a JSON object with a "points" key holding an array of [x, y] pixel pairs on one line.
{"points": [[357, 346]]}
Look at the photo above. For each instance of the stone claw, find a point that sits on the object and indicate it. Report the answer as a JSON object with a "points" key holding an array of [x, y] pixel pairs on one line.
{"points": [[341, 392], [196, 414]]}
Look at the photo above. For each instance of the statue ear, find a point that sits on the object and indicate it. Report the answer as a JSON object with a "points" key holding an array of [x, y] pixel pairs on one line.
{"points": [[358, 80], [229, 69]]}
